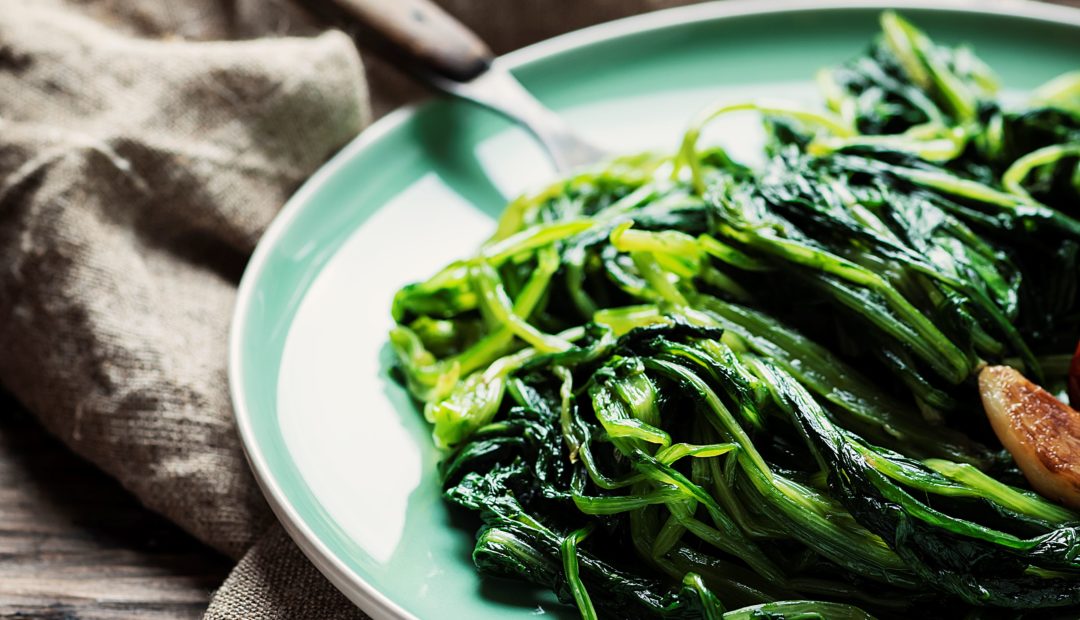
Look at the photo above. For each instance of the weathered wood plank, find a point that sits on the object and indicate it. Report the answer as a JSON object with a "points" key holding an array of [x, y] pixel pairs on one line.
{"points": [[75, 546]]}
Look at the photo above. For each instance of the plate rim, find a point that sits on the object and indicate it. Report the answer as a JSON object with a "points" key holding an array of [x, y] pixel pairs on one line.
{"points": [[358, 590]]}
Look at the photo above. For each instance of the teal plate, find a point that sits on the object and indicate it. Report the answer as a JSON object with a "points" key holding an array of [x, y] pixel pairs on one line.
{"points": [[343, 456]]}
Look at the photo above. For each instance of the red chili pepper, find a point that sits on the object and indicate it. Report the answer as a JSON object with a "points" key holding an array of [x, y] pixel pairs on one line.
{"points": [[1074, 379]]}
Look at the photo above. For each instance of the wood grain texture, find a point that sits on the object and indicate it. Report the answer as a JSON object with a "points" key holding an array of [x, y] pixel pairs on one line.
{"points": [[419, 32], [75, 545]]}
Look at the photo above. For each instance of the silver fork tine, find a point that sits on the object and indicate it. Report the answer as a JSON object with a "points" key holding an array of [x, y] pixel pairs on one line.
{"points": [[498, 90], [422, 38]]}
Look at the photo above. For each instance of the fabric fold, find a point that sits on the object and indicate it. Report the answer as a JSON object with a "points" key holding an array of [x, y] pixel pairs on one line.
{"points": [[274, 581], [136, 176]]}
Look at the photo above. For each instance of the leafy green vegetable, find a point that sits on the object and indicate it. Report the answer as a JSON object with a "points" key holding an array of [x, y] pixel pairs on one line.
{"points": [[687, 387]]}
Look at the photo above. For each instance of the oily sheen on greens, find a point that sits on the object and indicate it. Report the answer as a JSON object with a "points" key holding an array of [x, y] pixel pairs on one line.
{"points": [[685, 386]]}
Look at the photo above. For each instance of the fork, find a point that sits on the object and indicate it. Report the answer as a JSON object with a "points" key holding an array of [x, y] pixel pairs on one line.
{"points": [[441, 52]]}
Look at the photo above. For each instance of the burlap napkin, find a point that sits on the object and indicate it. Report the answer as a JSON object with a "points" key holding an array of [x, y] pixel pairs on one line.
{"points": [[144, 147]]}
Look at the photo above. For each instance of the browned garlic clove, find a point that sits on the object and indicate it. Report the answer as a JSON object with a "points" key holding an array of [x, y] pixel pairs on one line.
{"points": [[1041, 432]]}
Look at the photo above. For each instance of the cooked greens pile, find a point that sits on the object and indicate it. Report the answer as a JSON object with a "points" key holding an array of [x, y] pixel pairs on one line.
{"points": [[687, 387]]}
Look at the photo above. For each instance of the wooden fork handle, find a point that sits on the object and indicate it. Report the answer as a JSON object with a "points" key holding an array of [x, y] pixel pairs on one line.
{"points": [[422, 34]]}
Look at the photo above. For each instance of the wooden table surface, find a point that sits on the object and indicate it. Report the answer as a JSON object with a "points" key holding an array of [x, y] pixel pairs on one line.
{"points": [[75, 545]]}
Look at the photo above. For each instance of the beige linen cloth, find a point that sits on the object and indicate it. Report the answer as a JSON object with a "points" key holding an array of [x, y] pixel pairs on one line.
{"points": [[144, 147]]}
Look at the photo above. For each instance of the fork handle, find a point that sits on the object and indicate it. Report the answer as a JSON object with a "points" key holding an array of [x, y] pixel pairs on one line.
{"points": [[423, 34]]}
